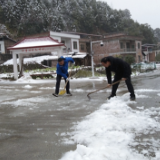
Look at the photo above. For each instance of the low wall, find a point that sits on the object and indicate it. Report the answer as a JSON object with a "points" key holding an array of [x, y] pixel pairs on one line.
{"points": [[9, 68]]}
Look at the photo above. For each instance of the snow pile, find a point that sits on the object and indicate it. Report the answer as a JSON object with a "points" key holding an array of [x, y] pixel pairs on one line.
{"points": [[32, 60], [158, 66], [135, 73], [109, 133]]}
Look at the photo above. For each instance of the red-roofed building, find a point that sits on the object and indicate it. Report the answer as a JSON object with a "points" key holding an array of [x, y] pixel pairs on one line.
{"points": [[30, 46]]}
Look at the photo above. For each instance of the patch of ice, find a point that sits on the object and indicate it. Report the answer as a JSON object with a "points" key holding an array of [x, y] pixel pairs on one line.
{"points": [[39, 129], [147, 90], [26, 102], [142, 96], [47, 88], [109, 133], [28, 86], [35, 92]]}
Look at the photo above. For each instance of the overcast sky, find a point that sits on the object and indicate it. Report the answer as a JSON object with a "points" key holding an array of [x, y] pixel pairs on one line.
{"points": [[143, 11]]}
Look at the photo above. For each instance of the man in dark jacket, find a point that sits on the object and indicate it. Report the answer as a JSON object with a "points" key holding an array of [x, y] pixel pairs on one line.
{"points": [[122, 71], [62, 71]]}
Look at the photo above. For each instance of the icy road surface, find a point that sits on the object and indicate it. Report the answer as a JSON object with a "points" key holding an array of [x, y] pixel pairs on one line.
{"points": [[35, 125]]}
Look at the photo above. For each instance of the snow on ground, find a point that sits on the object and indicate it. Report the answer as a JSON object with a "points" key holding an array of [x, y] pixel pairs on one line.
{"points": [[27, 102], [28, 86], [158, 66], [147, 90], [110, 132]]}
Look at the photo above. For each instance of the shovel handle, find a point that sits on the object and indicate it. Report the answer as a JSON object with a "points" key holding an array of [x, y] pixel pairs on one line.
{"points": [[102, 88], [68, 77]]}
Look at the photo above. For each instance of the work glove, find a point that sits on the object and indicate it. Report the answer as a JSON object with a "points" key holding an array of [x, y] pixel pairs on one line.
{"points": [[67, 79]]}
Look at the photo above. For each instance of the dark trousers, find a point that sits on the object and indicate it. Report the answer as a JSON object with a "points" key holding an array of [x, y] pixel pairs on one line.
{"points": [[128, 83], [58, 84]]}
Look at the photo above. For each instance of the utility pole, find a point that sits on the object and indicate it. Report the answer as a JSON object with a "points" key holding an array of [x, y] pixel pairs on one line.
{"points": [[92, 54]]}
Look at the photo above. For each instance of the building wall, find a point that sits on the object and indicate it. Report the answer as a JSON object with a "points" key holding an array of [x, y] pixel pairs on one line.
{"points": [[2, 47], [8, 43], [152, 57], [67, 42], [82, 47], [110, 48], [113, 48]]}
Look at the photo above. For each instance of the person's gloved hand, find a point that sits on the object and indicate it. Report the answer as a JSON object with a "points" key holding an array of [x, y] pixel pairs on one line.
{"points": [[67, 79]]}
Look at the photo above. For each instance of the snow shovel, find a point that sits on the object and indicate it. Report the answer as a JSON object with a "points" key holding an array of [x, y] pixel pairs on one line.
{"points": [[64, 90], [88, 95]]}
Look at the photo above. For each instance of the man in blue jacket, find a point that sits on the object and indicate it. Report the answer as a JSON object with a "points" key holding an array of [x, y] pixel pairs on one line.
{"points": [[62, 71]]}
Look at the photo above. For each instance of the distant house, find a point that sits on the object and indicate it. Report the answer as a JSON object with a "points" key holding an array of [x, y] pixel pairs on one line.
{"points": [[118, 44], [5, 42], [150, 52], [75, 48], [78, 46]]}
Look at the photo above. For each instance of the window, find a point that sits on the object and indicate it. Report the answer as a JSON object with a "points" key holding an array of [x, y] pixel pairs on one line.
{"points": [[0, 47], [82, 47], [122, 45], [133, 46], [75, 45], [138, 45]]}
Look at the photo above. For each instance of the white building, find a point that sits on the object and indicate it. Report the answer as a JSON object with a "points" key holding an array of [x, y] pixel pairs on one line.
{"points": [[71, 41]]}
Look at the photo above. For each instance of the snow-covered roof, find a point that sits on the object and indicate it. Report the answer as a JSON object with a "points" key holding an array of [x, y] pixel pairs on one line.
{"points": [[76, 55], [40, 59], [36, 42], [64, 35]]}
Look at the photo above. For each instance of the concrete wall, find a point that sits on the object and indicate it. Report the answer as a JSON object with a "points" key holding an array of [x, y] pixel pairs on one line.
{"points": [[67, 42], [139, 56]]}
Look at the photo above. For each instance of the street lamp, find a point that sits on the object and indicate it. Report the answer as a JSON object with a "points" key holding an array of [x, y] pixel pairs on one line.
{"points": [[92, 54]]}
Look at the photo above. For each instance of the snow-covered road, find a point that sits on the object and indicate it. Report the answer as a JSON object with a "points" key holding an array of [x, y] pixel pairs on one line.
{"points": [[35, 125]]}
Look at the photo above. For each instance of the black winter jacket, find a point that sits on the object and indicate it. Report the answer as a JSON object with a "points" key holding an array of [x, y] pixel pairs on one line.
{"points": [[121, 68]]}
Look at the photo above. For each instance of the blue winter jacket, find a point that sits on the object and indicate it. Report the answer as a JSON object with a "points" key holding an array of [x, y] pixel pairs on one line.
{"points": [[63, 70]]}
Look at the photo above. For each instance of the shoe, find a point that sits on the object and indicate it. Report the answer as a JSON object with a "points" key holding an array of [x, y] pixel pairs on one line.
{"points": [[133, 98], [54, 94], [111, 96], [69, 94]]}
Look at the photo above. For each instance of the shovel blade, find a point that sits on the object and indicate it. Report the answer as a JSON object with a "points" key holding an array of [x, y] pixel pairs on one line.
{"points": [[62, 92]]}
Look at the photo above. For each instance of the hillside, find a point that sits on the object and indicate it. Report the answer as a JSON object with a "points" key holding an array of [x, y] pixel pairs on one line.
{"points": [[25, 17]]}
